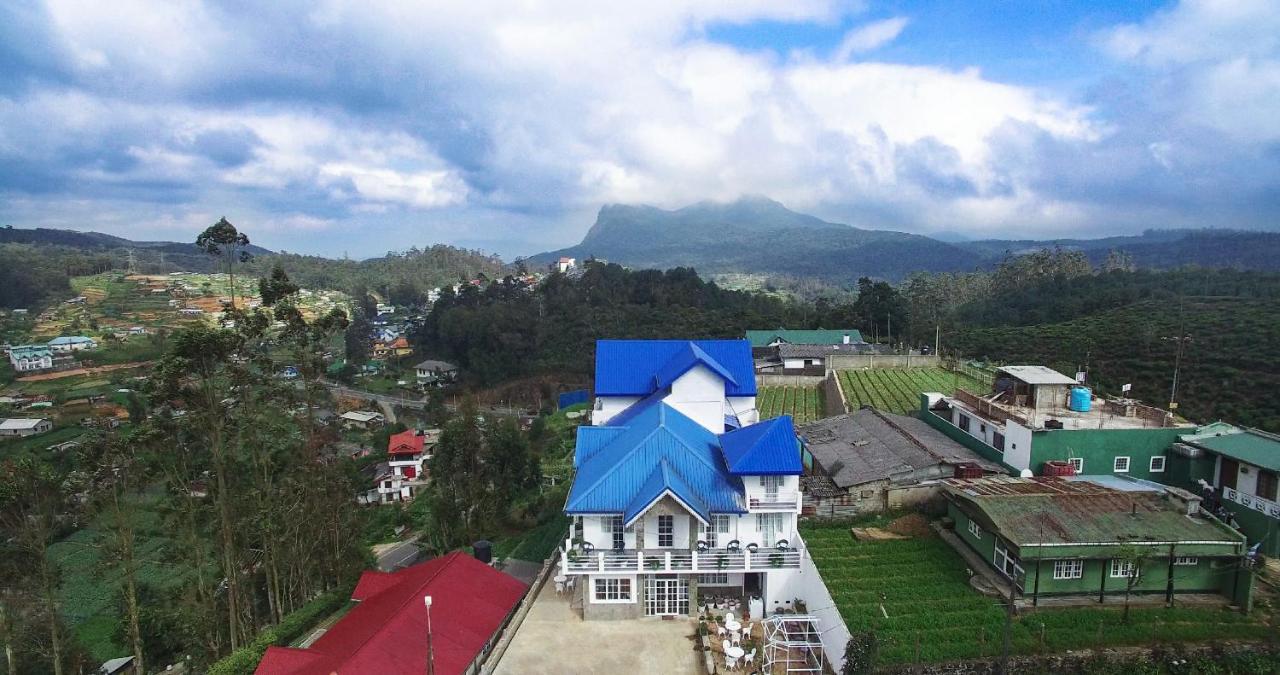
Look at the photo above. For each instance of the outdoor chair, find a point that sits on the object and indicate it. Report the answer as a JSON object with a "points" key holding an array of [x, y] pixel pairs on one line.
{"points": [[559, 588]]}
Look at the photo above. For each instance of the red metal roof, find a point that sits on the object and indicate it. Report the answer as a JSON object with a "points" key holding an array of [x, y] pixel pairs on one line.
{"points": [[387, 631], [405, 442]]}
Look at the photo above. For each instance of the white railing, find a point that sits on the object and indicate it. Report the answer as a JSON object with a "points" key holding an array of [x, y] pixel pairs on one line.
{"points": [[779, 501], [576, 561]]}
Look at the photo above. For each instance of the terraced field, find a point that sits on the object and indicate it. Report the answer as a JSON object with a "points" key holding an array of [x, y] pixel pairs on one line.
{"points": [[898, 389], [914, 594], [804, 404]]}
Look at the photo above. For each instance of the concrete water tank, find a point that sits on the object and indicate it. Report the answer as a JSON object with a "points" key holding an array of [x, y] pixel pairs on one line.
{"points": [[1081, 399]]}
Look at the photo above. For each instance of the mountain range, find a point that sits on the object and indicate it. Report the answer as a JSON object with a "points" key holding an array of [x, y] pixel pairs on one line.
{"points": [[757, 235]]}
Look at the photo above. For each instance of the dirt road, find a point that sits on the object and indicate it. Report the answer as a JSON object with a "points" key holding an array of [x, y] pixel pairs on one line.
{"points": [[83, 371]]}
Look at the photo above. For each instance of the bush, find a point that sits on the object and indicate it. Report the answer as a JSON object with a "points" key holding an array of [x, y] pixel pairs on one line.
{"points": [[245, 660]]}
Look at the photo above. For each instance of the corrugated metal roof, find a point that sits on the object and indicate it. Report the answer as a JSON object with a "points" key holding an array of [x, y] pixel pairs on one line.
{"points": [[630, 367], [1050, 511], [609, 480], [591, 440], [765, 448], [868, 445], [764, 338], [664, 481], [1251, 446], [684, 360]]}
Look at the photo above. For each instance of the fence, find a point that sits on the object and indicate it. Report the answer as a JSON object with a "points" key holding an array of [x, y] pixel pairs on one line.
{"points": [[862, 361], [763, 380]]}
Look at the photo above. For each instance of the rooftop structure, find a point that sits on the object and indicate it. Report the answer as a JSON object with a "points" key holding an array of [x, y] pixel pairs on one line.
{"points": [[387, 631]]}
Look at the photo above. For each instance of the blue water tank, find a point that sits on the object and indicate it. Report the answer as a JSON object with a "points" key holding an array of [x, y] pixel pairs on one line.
{"points": [[1081, 399]]}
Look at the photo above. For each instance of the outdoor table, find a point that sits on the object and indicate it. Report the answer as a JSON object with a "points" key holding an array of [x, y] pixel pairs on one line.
{"points": [[735, 652], [733, 625]]}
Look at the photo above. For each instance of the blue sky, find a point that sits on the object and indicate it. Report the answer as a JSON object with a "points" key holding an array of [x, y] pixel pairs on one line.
{"points": [[358, 127]]}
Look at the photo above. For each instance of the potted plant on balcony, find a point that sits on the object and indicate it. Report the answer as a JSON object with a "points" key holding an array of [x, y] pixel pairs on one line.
{"points": [[722, 561], [775, 559], [653, 563]]}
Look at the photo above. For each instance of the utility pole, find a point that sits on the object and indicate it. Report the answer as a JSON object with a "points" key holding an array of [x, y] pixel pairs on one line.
{"points": [[1182, 339], [431, 654], [937, 341]]}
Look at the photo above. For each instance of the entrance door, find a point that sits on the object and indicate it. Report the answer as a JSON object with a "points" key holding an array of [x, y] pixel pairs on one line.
{"points": [[1230, 471], [666, 595]]}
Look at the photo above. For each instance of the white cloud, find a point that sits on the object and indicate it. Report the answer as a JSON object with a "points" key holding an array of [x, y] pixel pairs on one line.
{"points": [[870, 37]]}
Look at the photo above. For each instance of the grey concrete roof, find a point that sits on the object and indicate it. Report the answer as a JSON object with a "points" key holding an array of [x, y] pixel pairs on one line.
{"points": [[868, 445], [1037, 375], [431, 364]]}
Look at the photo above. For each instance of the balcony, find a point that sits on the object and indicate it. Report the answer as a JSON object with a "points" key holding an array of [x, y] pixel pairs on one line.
{"points": [[574, 561], [777, 501]]}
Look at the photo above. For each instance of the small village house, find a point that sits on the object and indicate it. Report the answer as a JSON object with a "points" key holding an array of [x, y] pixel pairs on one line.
{"points": [[435, 373], [678, 486], [21, 426], [29, 358], [1054, 536], [565, 264], [386, 632], [869, 461], [405, 471], [764, 342], [361, 419], [1241, 469], [1034, 415], [393, 349], [72, 343]]}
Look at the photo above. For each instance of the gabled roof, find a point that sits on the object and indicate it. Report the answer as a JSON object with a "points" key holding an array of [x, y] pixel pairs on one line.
{"points": [[1250, 446], [21, 423], [614, 472], [767, 448], [764, 338], [664, 482], [405, 442], [687, 358], [386, 632], [631, 367]]}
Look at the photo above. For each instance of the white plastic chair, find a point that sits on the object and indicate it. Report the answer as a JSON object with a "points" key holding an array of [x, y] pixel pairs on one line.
{"points": [[750, 658], [559, 588], [720, 631], [728, 617], [730, 662]]}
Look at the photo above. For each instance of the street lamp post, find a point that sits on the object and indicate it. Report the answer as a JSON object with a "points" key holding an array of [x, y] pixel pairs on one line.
{"points": [[431, 655]]}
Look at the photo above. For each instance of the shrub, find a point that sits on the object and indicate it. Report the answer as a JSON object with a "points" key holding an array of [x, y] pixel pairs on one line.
{"points": [[245, 660]]}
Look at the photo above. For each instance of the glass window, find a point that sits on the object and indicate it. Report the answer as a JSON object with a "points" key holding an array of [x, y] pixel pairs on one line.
{"points": [[1157, 464], [1123, 568], [1186, 560], [964, 423], [714, 579], [666, 531], [1077, 463], [997, 441], [1121, 465], [711, 534], [613, 589], [614, 526], [1068, 569], [1267, 485]]}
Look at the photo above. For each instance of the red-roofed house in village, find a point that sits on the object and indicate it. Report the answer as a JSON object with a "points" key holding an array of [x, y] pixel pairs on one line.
{"points": [[386, 633], [406, 467]]}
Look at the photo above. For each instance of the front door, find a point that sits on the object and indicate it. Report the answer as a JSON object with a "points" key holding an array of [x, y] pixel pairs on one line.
{"points": [[1230, 471], [666, 595]]}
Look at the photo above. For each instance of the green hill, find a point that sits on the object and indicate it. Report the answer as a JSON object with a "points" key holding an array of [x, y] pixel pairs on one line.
{"points": [[1229, 370]]}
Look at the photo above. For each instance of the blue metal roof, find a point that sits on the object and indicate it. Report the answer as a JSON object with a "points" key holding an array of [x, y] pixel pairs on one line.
{"points": [[766, 448], [591, 440], [617, 475], [664, 481], [684, 360], [631, 367]]}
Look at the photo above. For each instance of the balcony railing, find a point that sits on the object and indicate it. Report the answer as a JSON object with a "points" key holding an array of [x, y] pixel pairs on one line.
{"points": [[574, 561], [779, 501]]}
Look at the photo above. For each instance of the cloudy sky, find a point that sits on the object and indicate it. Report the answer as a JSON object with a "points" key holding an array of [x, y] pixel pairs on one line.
{"points": [[362, 126]]}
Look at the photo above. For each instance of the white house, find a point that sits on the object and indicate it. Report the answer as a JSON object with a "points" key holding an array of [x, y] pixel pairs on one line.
{"points": [[26, 358], [361, 419], [565, 264], [406, 472], [72, 343], [24, 427], [436, 372], [678, 486]]}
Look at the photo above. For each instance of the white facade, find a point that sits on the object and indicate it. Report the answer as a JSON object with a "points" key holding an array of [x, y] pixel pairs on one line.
{"points": [[698, 394], [24, 427], [1011, 439]]}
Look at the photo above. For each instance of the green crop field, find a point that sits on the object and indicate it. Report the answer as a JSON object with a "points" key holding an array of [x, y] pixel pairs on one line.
{"points": [[898, 389], [914, 594], [90, 589], [804, 404]]}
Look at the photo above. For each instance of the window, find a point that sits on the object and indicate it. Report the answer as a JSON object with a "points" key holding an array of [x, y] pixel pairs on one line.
{"points": [[666, 531], [714, 579], [975, 530], [1186, 560], [1068, 569], [613, 590], [1267, 485], [1157, 464], [614, 526], [1123, 568], [982, 429], [1077, 463], [386, 484], [1120, 465], [711, 533], [964, 423], [997, 441]]}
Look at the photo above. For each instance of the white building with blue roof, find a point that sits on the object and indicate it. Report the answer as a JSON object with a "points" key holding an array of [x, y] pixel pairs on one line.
{"points": [[678, 486]]}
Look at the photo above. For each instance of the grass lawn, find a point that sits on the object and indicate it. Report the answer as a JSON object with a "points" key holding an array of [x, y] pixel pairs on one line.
{"points": [[36, 445], [89, 592], [915, 595]]}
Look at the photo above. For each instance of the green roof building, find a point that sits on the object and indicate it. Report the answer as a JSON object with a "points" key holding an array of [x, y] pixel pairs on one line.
{"points": [[1242, 468], [1054, 536], [771, 338]]}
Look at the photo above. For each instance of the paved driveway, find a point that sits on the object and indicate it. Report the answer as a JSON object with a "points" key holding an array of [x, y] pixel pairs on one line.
{"points": [[553, 639]]}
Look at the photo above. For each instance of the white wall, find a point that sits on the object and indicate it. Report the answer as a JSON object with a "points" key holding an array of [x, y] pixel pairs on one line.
{"points": [[790, 486], [807, 584], [744, 407], [607, 407], [699, 394], [1017, 445]]}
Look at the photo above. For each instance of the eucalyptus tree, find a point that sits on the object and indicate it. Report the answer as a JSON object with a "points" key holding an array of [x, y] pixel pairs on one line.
{"points": [[223, 240]]}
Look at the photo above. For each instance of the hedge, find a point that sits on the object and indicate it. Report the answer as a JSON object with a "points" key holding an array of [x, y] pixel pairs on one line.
{"points": [[244, 660]]}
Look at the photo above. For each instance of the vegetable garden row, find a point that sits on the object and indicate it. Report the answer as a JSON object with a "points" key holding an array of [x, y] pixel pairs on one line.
{"points": [[898, 389], [914, 594], [804, 404]]}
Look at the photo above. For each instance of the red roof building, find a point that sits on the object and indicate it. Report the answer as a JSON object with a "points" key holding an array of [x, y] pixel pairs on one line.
{"points": [[386, 632], [405, 443]]}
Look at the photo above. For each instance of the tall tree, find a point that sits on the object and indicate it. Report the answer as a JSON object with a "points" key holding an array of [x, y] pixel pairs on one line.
{"points": [[223, 240]]}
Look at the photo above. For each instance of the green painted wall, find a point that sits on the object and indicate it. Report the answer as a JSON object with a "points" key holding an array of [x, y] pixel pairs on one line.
{"points": [[1258, 527], [1099, 447], [986, 546], [1184, 472]]}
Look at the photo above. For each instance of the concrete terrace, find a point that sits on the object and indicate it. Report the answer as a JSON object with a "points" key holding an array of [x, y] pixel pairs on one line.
{"points": [[554, 639]]}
